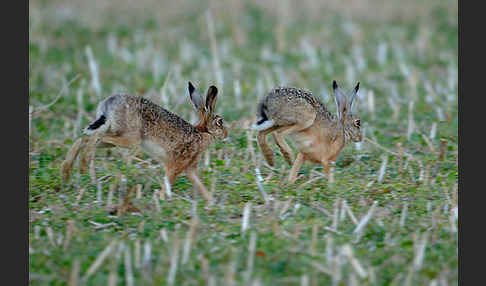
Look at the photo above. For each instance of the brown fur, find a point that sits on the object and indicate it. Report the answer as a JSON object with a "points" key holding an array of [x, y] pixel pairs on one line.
{"points": [[319, 135], [133, 120]]}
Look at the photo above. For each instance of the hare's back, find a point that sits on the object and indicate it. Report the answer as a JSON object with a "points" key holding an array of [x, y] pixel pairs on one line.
{"points": [[288, 105]]}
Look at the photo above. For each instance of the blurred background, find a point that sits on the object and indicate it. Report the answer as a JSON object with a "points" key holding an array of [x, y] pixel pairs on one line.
{"points": [[404, 54], [395, 48]]}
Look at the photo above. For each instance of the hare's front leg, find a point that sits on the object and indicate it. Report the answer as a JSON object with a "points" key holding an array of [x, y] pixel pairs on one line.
{"points": [[295, 168], [192, 175], [327, 166]]}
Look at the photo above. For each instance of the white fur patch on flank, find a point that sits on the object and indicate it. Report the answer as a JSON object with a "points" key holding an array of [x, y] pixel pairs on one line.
{"points": [[89, 131], [265, 125]]}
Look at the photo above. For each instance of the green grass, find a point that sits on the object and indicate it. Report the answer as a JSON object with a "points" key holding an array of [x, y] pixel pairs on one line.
{"points": [[304, 232]]}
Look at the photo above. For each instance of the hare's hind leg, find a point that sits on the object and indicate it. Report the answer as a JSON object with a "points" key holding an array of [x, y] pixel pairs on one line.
{"points": [[88, 153], [71, 156], [262, 142], [295, 168], [284, 147], [125, 140]]}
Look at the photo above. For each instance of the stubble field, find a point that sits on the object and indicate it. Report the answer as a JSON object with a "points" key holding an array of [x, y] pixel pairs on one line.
{"points": [[388, 218]]}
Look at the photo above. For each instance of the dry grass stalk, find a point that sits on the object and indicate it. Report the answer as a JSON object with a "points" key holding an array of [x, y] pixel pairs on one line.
{"points": [[348, 252], [245, 221], [36, 110], [79, 117], [147, 252], [365, 218], [443, 145], [50, 236], [433, 130], [229, 277], [250, 149], [429, 144], [163, 235], [400, 157], [127, 204], [335, 214], [251, 256], [411, 122], [205, 268], [174, 257], [304, 280], [329, 249], [311, 180], [207, 158], [259, 181], [403, 215], [331, 174], [320, 208], [113, 277], [350, 213], [420, 251], [74, 276], [139, 191], [99, 192], [371, 103], [93, 67], [37, 229], [285, 208], [128, 267], [98, 226], [156, 201], [69, 232], [381, 173], [313, 245], [136, 253], [99, 259], [191, 235], [79, 196], [109, 200], [321, 268]]}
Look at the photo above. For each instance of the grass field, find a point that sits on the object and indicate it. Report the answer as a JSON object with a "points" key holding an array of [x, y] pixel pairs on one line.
{"points": [[389, 217]]}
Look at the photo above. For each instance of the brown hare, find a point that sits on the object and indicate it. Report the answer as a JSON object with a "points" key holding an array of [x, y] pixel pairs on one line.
{"points": [[319, 135], [127, 120]]}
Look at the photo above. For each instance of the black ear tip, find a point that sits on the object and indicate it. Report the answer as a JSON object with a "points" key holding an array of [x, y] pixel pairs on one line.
{"points": [[334, 84], [191, 87], [357, 86], [213, 89]]}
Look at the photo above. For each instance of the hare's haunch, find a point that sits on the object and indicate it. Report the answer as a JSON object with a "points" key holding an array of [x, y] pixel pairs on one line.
{"points": [[320, 136]]}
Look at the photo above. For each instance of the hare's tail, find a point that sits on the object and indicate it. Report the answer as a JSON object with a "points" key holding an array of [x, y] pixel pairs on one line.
{"points": [[95, 125], [263, 122]]}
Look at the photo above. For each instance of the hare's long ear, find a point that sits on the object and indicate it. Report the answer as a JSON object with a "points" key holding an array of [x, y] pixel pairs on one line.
{"points": [[196, 98], [211, 99], [353, 95], [340, 99]]}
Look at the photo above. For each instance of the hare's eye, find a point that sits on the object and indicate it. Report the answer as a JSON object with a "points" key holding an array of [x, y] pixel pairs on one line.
{"points": [[357, 123], [219, 122]]}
